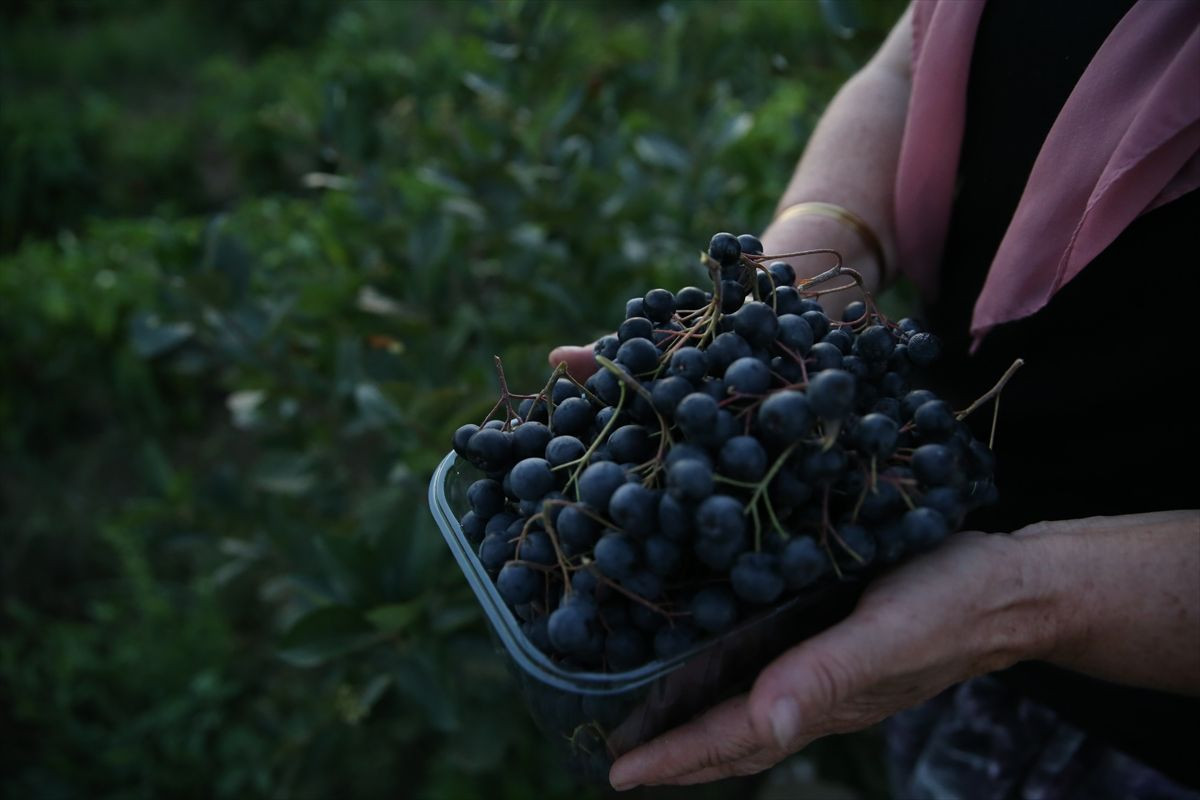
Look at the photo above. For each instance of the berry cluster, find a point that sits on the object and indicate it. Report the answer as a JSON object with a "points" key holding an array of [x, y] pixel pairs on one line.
{"points": [[734, 446]]}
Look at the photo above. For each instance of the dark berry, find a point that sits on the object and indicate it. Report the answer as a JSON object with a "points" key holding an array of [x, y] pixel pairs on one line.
{"points": [[923, 349], [689, 363], [573, 416], [640, 355], [923, 528], [831, 393], [785, 417], [935, 465], [802, 562], [571, 626], [721, 517], [724, 350], [824, 356], [598, 481], [462, 436], [756, 323], [564, 450], [518, 583], [667, 394], [750, 244], [530, 438], [934, 420], [840, 338], [630, 444], [743, 459], [673, 640], [857, 542], [607, 346], [756, 578], [724, 249], [576, 529], [795, 334], [854, 311], [690, 480], [663, 555], [490, 449], [659, 305], [696, 415], [494, 551], [714, 609], [472, 527], [486, 498], [532, 479], [782, 273], [634, 508], [732, 296], [616, 555], [690, 298], [674, 518], [818, 322], [748, 376], [626, 648], [874, 344], [875, 435]]}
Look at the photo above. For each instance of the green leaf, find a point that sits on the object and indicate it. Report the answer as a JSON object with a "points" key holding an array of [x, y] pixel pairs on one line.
{"points": [[374, 405], [324, 634], [152, 337], [395, 617], [659, 151]]}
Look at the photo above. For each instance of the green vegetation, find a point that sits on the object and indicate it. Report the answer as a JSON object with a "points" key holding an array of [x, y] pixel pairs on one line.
{"points": [[255, 259]]}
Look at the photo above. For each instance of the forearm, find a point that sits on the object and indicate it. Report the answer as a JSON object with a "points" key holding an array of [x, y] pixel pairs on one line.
{"points": [[1119, 597], [851, 160]]}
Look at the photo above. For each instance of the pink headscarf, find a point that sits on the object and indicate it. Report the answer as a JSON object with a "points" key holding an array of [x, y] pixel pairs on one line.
{"points": [[1126, 141]]}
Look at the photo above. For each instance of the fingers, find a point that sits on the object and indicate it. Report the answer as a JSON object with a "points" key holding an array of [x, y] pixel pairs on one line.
{"points": [[580, 361], [721, 736], [750, 765], [797, 697]]}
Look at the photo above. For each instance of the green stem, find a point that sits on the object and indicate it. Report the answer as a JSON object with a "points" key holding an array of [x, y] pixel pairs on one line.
{"points": [[583, 460]]}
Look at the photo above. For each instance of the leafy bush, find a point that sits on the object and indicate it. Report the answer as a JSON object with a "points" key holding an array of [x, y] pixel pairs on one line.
{"points": [[253, 284]]}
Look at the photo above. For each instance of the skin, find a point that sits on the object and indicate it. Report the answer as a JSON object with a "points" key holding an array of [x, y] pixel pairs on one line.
{"points": [[1095, 595], [1114, 597]]}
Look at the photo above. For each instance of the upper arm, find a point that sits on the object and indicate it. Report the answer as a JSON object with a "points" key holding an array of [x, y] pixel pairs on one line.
{"points": [[895, 54]]}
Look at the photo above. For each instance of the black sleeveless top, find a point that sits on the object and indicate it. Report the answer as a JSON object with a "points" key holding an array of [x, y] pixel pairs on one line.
{"points": [[1098, 422]]}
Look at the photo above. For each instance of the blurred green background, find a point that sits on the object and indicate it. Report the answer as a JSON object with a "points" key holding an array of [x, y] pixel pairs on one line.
{"points": [[255, 258]]}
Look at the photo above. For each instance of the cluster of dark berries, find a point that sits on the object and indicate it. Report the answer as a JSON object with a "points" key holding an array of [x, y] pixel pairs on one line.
{"points": [[734, 446]]}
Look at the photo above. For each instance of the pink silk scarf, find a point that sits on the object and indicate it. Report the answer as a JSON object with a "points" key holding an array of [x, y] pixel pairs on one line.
{"points": [[1126, 141]]}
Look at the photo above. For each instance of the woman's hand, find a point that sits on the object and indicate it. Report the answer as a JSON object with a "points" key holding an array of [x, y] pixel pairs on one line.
{"points": [[580, 361], [972, 606], [1115, 597]]}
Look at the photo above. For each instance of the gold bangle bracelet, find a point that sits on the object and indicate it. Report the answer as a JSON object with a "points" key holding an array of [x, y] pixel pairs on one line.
{"points": [[842, 215]]}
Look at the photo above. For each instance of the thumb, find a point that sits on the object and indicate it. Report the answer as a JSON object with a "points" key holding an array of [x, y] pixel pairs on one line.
{"points": [[796, 698], [580, 361]]}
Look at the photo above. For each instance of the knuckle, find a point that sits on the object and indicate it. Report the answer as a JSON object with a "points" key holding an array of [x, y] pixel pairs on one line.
{"points": [[831, 678]]}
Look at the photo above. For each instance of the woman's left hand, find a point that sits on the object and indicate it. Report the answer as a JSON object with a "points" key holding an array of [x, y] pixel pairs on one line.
{"points": [[969, 607]]}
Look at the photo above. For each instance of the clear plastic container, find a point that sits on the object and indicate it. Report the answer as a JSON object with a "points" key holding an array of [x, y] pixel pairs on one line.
{"points": [[598, 716]]}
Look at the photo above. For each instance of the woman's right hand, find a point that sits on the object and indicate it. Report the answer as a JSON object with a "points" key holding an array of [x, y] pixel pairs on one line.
{"points": [[580, 361]]}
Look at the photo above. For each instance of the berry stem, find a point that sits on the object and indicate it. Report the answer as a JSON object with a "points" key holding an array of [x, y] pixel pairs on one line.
{"points": [[558, 554], [600, 437], [993, 392]]}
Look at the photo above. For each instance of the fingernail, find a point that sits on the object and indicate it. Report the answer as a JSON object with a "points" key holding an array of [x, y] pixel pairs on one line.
{"points": [[784, 720], [621, 781], [624, 773]]}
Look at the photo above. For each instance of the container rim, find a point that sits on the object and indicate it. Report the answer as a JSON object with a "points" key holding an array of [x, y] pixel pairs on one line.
{"points": [[531, 660]]}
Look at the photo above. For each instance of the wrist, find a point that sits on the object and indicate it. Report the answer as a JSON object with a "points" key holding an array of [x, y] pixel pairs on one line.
{"points": [[811, 231], [1020, 607]]}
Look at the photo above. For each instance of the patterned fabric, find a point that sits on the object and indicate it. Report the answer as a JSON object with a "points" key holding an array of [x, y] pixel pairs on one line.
{"points": [[982, 741]]}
